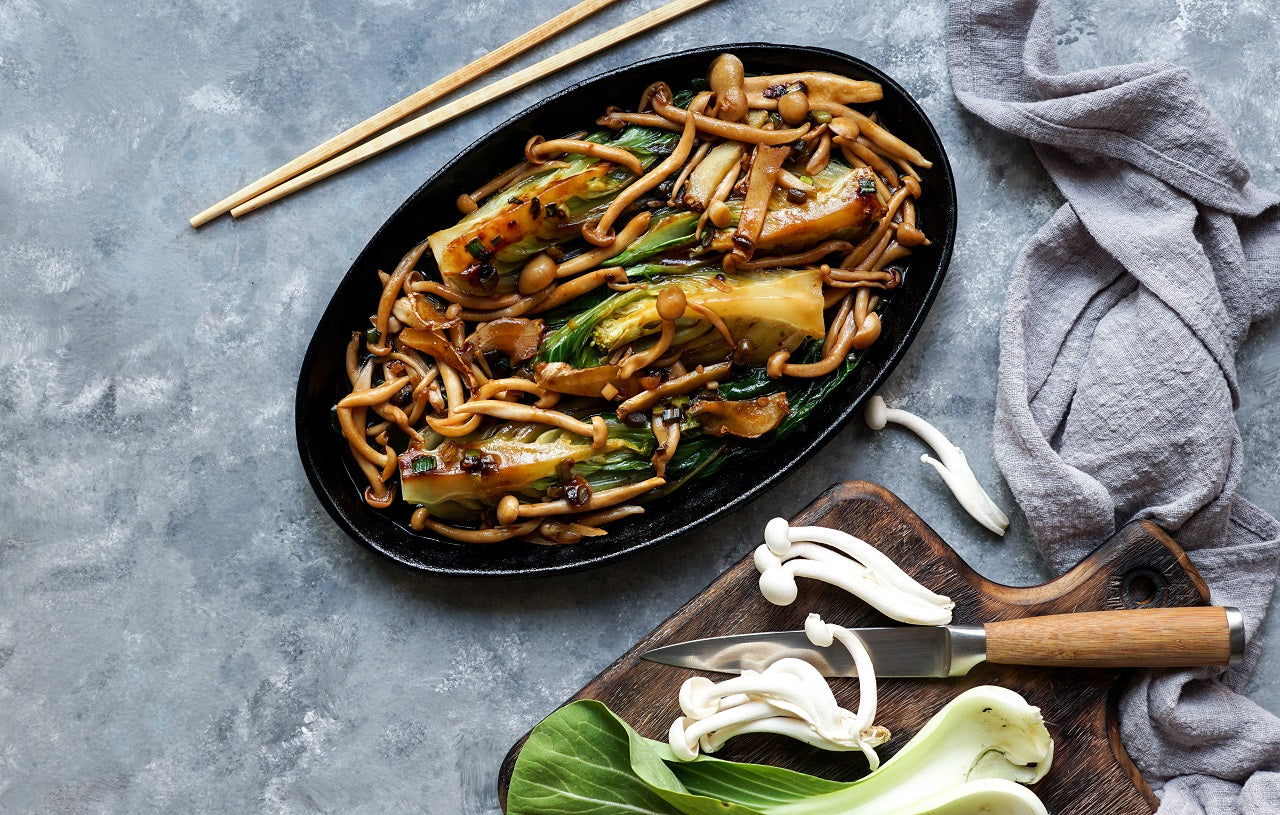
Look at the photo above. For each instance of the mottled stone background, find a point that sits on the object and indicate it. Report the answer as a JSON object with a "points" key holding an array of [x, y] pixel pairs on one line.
{"points": [[182, 628]]}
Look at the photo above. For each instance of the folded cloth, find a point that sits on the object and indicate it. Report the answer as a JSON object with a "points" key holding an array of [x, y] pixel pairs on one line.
{"points": [[1117, 380]]}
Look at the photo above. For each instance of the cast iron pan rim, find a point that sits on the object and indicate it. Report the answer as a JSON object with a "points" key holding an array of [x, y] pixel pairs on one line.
{"points": [[947, 201]]}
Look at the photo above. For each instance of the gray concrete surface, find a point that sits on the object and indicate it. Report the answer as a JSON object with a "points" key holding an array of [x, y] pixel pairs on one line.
{"points": [[182, 628]]}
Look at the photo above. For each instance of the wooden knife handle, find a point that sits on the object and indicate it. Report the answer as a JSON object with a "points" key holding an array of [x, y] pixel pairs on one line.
{"points": [[1141, 638]]}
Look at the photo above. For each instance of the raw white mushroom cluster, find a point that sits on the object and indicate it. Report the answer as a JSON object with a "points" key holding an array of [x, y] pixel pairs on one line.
{"points": [[953, 467], [850, 563], [790, 697]]}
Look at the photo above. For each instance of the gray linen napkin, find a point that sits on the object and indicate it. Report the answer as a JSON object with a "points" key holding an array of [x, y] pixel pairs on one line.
{"points": [[1117, 377]]}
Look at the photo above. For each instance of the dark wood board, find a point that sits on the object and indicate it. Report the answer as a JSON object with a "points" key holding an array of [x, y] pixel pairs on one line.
{"points": [[1140, 567]]}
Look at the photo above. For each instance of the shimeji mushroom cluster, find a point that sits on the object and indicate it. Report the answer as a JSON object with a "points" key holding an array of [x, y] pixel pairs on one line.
{"points": [[790, 697], [850, 563]]}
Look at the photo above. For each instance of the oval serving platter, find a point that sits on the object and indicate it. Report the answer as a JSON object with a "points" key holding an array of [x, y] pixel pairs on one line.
{"points": [[326, 460]]}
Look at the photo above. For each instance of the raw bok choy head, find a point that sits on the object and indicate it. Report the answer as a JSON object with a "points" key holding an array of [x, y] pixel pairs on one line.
{"points": [[973, 756]]}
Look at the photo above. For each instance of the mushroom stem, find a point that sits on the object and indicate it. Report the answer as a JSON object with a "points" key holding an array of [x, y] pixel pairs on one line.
{"points": [[373, 396], [736, 131], [799, 259], [543, 149], [598, 500], [579, 286], [671, 304], [593, 258], [672, 387], [953, 466], [596, 430], [821, 155], [822, 634], [876, 134], [391, 291], [689, 167]]}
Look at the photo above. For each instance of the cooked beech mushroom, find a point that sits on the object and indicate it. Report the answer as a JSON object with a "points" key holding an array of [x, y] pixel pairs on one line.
{"points": [[537, 273], [601, 232], [764, 91], [670, 306], [564, 378], [793, 106], [711, 126], [538, 149], [727, 83]]}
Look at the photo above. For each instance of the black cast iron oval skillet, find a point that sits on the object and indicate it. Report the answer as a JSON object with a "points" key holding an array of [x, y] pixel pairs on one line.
{"points": [[325, 456]]}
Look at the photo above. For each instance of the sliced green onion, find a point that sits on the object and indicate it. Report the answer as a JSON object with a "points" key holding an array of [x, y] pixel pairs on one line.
{"points": [[475, 247], [423, 464]]}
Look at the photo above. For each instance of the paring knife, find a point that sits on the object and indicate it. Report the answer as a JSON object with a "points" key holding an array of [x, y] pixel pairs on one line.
{"points": [[1141, 638]]}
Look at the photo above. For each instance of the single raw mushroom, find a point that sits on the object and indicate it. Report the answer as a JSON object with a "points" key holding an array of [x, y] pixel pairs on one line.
{"points": [[953, 467], [850, 563]]}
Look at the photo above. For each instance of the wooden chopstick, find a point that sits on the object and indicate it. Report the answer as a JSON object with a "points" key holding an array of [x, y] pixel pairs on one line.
{"points": [[410, 104], [470, 102]]}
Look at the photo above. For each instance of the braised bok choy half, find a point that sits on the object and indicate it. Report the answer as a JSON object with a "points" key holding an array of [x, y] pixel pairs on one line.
{"points": [[627, 309]]}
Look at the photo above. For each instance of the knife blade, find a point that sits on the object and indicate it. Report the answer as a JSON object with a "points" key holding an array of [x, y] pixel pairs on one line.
{"points": [[1139, 638]]}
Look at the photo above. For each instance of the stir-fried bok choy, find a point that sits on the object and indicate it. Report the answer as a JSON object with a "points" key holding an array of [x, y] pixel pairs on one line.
{"points": [[628, 309]]}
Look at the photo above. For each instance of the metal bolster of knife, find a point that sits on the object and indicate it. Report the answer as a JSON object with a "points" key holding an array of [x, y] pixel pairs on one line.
{"points": [[1235, 630], [968, 648]]}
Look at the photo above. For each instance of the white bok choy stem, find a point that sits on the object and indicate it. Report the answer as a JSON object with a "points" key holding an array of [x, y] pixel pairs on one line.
{"points": [[970, 757], [953, 467], [789, 697], [850, 563]]}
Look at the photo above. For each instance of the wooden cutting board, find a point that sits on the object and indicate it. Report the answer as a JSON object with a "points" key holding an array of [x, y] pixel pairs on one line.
{"points": [[1140, 567]]}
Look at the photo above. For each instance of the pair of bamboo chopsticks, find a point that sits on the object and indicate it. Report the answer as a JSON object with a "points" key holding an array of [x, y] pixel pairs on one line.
{"points": [[328, 158]]}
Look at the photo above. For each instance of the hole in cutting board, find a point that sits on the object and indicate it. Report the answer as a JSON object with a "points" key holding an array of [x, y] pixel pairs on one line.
{"points": [[1143, 588]]}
